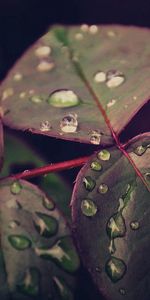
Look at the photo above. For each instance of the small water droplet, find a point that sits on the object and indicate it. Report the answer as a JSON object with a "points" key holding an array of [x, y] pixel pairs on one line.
{"points": [[79, 36], [7, 93], [15, 187], [140, 150], [88, 208], [134, 97], [111, 33], [98, 270], [96, 166], [100, 76], [36, 99], [22, 95], [19, 242], [89, 183], [147, 176], [122, 291], [103, 188], [111, 103], [69, 123], [63, 98], [43, 51], [116, 226], [45, 66], [134, 225], [114, 78], [95, 137], [84, 27], [93, 29], [17, 77], [104, 155], [46, 225], [45, 126], [47, 203], [13, 224], [30, 284], [115, 269]]}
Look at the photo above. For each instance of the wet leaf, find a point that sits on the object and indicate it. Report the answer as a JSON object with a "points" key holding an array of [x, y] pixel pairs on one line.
{"points": [[1, 145], [114, 239]]}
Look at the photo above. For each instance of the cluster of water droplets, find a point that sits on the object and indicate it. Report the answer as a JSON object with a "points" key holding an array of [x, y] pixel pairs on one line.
{"points": [[112, 78]]}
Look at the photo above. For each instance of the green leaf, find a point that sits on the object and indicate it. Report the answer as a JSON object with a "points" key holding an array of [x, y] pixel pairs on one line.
{"points": [[111, 221], [27, 227]]}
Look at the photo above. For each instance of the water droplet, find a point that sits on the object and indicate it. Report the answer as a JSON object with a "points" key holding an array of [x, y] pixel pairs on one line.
{"points": [[115, 269], [93, 29], [89, 183], [134, 225], [46, 225], [134, 97], [122, 291], [147, 176], [98, 270], [95, 137], [36, 99], [84, 27], [47, 203], [116, 226], [96, 166], [88, 207], [62, 289], [17, 77], [140, 150], [79, 36], [63, 253], [45, 126], [43, 51], [45, 66], [114, 78], [103, 188], [13, 224], [63, 98], [7, 93], [19, 242], [100, 76], [22, 95], [30, 284], [69, 123], [111, 103], [104, 155], [111, 33], [15, 187]]}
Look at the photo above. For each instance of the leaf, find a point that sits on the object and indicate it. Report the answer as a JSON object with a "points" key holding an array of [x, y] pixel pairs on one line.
{"points": [[111, 220], [52, 90], [1, 145], [33, 229]]}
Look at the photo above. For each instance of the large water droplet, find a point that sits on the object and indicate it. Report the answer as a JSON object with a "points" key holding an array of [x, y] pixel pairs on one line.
{"points": [[114, 78], [103, 188], [63, 253], [95, 137], [46, 225], [104, 155], [115, 269], [19, 242], [36, 99], [116, 226], [43, 51], [69, 123], [134, 225], [140, 150], [30, 284], [63, 98], [100, 76], [62, 289], [89, 183], [88, 208], [15, 188], [96, 166], [45, 126], [45, 66], [47, 203]]}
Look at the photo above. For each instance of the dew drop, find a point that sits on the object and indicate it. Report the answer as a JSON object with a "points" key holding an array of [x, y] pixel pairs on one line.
{"points": [[19, 242], [48, 204], [46, 225], [63, 98], [93, 29], [17, 77], [147, 176], [30, 284], [13, 224], [7, 93], [114, 78], [96, 166], [122, 291], [100, 76], [84, 27], [134, 225], [115, 269], [45, 66], [69, 123], [45, 126], [22, 95], [79, 36], [111, 33], [95, 137], [89, 183], [88, 208], [103, 188], [116, 226], [111, 103], [36, 99], [43, 51], [104, 155], [16, 188], [140, 150]]}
